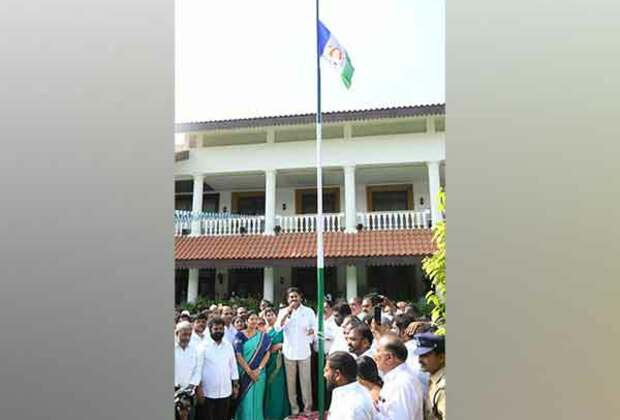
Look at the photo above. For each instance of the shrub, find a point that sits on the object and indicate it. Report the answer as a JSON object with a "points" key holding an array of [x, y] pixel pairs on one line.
{"points": [[435, 268]]}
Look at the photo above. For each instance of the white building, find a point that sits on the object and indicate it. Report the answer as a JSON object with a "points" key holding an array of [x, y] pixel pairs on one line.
{"points": [[245, 198]]}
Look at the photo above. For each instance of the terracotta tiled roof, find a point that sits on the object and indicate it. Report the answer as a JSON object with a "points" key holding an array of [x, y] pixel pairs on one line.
{"points": [[328, 117], [397, 243]]}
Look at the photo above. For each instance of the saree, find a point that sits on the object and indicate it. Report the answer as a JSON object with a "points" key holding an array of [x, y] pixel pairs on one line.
{"points": [[276, 401], [251, 394]]}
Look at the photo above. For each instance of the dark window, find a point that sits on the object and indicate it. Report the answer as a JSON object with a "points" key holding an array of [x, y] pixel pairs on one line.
{"points": [[390, 200], [185, 186], [309, 205], [253, 205], [180, 286], [210, 202], [206, 283], [397, 282], [246, 282], [183, 202], [305, 278]]}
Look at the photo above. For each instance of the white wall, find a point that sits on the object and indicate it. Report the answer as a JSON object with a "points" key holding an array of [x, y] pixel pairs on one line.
{"points": [[285, 196], [393, 149], [420, 189], [360, 198]]}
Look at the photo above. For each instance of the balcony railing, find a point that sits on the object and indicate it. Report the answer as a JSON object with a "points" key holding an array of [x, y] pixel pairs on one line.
{"points": [[218, 224], [221, 224], [332, 222], [395, 220]]}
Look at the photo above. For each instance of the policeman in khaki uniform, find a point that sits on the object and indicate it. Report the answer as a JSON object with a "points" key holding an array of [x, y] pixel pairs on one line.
{"points": [[432, 358]]}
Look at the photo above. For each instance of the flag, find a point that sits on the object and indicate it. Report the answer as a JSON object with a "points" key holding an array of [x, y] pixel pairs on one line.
{"points": [[331, 50]]}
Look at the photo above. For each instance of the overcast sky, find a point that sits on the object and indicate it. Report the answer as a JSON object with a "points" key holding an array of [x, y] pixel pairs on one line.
{"points": [[242, 58]]}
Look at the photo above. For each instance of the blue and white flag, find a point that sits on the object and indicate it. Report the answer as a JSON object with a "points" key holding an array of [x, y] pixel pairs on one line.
{"points": [[331, 50]]}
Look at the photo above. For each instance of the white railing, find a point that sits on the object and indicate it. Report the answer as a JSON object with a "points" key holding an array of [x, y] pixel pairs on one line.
{"points": [[218, 224], [250, 225], [332, 222], [221, 224], [182, 222], [394, 220]]}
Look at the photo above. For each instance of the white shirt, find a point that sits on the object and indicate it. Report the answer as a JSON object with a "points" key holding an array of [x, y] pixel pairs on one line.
{"points": [[296, 345], [402, 395], [199, 341], [340, 341], [230, 333], [187, 365], [414, 364], [328, 332], [219, 369], [351, 402], [370, 352]]}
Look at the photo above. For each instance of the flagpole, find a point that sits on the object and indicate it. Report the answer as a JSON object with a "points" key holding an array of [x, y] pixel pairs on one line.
{"points": [[320, 268]]}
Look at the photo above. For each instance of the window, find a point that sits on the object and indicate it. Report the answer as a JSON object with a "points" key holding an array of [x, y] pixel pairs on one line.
{"points": [[305, 201], [390, 197], [248, 203]]}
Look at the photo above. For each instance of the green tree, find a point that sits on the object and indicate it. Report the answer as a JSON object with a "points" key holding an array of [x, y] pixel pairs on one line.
{"points": [[435, 268]]}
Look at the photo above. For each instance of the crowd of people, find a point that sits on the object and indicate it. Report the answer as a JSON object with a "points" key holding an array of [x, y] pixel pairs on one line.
{"points": [[382, 361]]}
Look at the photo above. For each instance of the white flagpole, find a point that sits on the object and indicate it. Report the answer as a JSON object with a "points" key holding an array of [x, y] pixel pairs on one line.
{"points": [[320, 265]]}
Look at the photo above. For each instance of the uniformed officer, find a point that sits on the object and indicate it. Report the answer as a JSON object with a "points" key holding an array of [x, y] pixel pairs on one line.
{"points": [[432, 358]]}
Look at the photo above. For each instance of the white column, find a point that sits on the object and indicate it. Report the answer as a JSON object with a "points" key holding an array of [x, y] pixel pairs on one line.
{"points": [[433, 186], [270, 201], [197, 201], [351, 281], [268, 284], [192, 285], [349, 198]]}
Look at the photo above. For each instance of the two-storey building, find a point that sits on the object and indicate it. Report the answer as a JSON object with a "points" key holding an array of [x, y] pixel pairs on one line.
{"points": [[245, 197]]}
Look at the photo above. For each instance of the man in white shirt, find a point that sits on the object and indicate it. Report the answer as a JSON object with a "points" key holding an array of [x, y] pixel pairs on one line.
{"points": [[199, 335], [403, 323], [219, 375], [329, 327], [355, 303], [340, 340], [401, 395], [185, 316], [230, 332], [187, 363], [350, 400], [298, 323], [360, 340], [367, 307]]}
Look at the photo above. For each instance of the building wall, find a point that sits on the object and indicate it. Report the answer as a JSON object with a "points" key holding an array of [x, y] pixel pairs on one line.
{"points": [[392, 149], [421, 190], [285, 196]]}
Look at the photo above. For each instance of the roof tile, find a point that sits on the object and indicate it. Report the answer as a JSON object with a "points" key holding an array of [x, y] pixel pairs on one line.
{"points": [[303, 245]]}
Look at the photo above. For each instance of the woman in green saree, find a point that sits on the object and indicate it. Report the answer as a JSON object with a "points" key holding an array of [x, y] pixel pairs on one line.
{"points": [[252, 351], [276, 403]]}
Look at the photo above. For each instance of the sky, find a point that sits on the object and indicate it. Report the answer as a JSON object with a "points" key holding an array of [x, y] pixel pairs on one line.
{"points": [[243, 58]]}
